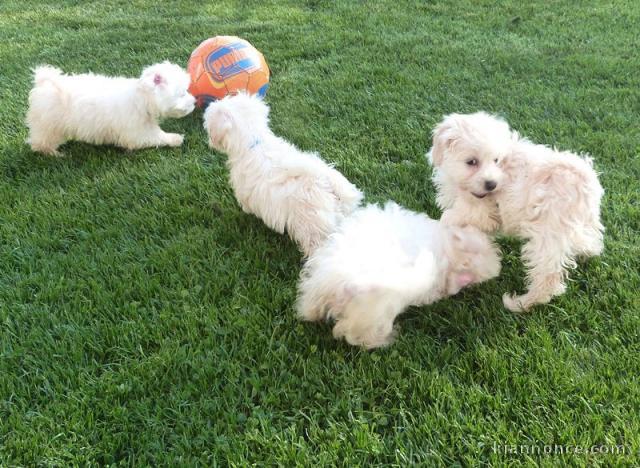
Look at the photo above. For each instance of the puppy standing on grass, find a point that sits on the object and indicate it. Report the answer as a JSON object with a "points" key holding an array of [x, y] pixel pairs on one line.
{"points": [[287, 188], [487, 176], [104, 110], [380, 261]]}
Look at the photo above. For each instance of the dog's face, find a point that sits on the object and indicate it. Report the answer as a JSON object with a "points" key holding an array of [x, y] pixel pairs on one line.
{"points": [[235, 121], [473, 258], [469, 148], [167, 85]]}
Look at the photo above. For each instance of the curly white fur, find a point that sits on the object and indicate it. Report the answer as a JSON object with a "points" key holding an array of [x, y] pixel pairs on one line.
{"points": [[380, 261], [487, 176], [105, 110], [287, 188]]}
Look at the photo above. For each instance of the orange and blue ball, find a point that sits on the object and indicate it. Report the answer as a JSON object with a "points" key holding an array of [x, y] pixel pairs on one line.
{"points": [[224, 65]]}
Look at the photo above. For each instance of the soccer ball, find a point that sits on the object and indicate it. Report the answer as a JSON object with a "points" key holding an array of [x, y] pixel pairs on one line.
{"points": [[224, 65]]}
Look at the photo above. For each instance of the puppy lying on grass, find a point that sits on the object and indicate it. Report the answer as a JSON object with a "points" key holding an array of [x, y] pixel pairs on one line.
{"points": [[381, 261]]}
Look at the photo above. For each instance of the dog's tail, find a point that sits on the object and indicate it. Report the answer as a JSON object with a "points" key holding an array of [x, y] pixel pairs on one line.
{"points": [[348, 195], [47, 84], [46, 74]]}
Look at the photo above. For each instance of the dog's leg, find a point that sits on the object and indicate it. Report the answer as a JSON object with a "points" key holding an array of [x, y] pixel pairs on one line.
{"points": [[312, 303], [312, 308], [589, 241], [47, 113], [480, 215], [49, 147], [308, 245], [547, 260], [367, 335], [155, 137], [244, 204], [311, 229], [367, 320], [173, 139], [45, 141]]}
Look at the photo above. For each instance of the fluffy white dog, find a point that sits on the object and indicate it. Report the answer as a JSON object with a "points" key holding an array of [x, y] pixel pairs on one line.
{"points": [[380, 261], [287, 188], [487, 176], [105, 110]]}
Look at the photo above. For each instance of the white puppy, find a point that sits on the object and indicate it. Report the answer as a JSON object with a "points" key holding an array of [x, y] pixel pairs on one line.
{"points": [[380, 261], [287, 188], [487, 176], [105, 110]]}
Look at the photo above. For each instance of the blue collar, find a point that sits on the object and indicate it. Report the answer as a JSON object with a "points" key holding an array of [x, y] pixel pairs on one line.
{"points": [[255, 143]]}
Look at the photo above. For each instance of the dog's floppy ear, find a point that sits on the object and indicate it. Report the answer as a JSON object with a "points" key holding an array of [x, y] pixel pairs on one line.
{"points": [[152, 78], [218, 123], [158, 79], [225, 120], [444, 135]]}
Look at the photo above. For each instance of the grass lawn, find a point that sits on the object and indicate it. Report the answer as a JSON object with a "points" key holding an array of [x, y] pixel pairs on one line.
{"points": [[145, 319]]}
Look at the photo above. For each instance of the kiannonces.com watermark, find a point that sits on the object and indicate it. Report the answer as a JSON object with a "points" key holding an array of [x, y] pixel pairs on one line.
{"points": [[560, 449]]}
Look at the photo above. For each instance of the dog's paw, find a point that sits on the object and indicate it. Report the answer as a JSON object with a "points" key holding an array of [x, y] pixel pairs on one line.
{"points": [[47, 150], [514, 303], [312, 314], [368, 337], [490, 225], [339, 330], [174, 139], [474, 217], [451, 218]]}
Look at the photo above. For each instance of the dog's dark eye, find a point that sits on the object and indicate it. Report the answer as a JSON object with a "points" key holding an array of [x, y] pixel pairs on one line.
{"points": [[472, 162], [495, 160]]}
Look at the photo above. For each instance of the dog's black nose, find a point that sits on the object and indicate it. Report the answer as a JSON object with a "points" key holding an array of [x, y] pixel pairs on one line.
{"points": [[489, 185]]}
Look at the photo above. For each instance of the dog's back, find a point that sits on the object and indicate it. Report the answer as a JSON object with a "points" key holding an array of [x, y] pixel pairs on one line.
{"points": [[301, 194], [560, 189], [347, 194]]}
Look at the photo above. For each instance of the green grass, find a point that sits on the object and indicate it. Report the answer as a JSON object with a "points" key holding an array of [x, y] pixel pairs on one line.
{"points": [[144, 319]]}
